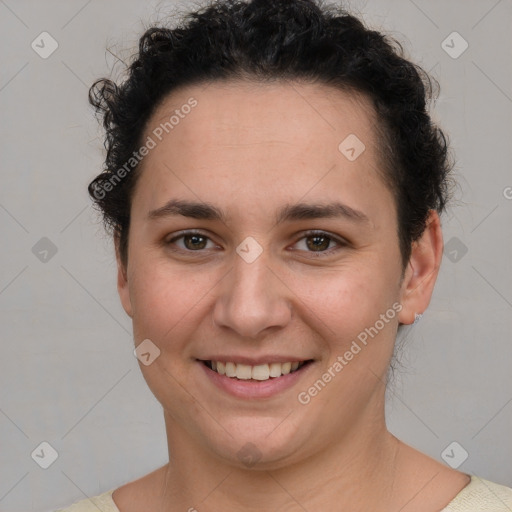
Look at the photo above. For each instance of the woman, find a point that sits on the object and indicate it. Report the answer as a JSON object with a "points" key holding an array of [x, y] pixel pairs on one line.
{"points": [[274, 182]]}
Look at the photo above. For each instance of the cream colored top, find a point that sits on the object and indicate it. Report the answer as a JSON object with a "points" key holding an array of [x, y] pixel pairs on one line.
{"points": [[478, 496]]}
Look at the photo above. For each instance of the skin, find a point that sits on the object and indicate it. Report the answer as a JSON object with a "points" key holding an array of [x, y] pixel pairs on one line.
{"points": [[249, 149]]}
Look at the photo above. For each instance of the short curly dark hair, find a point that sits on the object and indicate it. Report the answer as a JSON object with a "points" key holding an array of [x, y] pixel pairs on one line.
{"points": [[279, 40]]}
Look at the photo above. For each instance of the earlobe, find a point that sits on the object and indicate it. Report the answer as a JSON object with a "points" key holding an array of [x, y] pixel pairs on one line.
{"points": [[422, 270], [122, 283]]}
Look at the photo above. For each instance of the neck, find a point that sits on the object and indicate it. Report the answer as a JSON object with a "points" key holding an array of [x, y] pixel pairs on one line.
{"points": [[355, 472]]}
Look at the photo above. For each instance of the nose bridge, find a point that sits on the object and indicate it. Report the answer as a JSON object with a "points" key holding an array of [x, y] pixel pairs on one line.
{"points": [[252, 298]]}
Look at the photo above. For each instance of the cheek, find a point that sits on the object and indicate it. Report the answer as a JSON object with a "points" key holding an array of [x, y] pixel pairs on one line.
{"points": [[346, 305], [165, 300]]}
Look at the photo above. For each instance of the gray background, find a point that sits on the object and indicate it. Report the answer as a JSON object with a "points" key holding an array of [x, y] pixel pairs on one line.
{"points": [[67, 372]]}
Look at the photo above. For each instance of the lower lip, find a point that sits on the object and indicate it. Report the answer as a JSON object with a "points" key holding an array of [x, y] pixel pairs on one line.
{"points": [[255, 388]]}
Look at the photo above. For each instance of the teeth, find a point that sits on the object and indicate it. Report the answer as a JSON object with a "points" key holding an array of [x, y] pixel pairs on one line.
{"points": [[231, 369], [286, 368], [243, 371], [275, 369], [258, 372]]}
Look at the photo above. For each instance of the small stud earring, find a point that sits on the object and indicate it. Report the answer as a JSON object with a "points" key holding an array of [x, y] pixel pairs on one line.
{"points": [[417, 317]]}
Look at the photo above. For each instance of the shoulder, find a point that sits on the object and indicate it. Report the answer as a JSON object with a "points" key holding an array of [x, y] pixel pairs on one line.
{"points": [[483, 496], [103, 502]]}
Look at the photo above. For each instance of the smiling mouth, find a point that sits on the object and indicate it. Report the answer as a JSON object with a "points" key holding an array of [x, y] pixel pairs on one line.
{"points": [[259, 372]]}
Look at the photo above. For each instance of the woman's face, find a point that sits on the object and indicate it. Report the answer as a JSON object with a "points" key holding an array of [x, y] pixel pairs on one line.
{"points": [[254, 285]]}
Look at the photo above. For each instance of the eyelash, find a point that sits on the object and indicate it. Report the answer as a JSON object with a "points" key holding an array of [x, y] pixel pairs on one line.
{"points": [[307, 234]]}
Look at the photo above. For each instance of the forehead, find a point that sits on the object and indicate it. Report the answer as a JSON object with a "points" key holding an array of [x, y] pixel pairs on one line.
{"points": [[259, 138], [231, 113]]}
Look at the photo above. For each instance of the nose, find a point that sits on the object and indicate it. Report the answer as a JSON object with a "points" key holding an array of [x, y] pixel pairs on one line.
{"points": [[252, 299]]}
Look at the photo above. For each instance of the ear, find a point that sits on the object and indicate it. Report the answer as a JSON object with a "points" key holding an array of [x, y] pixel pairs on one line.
{"points": [[122, 281], [422, 270]]}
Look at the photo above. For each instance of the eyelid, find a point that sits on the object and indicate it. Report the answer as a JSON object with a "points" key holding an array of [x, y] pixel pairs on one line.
{"points": [[188, 232], [183, 232]]}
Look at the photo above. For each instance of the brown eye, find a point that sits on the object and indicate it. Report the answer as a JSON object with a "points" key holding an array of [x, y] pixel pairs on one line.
{"points": [[318, 242], [194, 242], [191, 242]]}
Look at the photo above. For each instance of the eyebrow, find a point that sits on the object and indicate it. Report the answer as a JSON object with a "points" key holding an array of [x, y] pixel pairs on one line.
{"points": [[290, 212]]}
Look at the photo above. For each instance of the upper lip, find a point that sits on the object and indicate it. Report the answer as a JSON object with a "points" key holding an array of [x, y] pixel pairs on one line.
{"points": [[254, 361]]}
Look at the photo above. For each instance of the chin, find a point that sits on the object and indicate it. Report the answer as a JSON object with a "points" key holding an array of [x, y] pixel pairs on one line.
{"points": [[267, 443]]}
